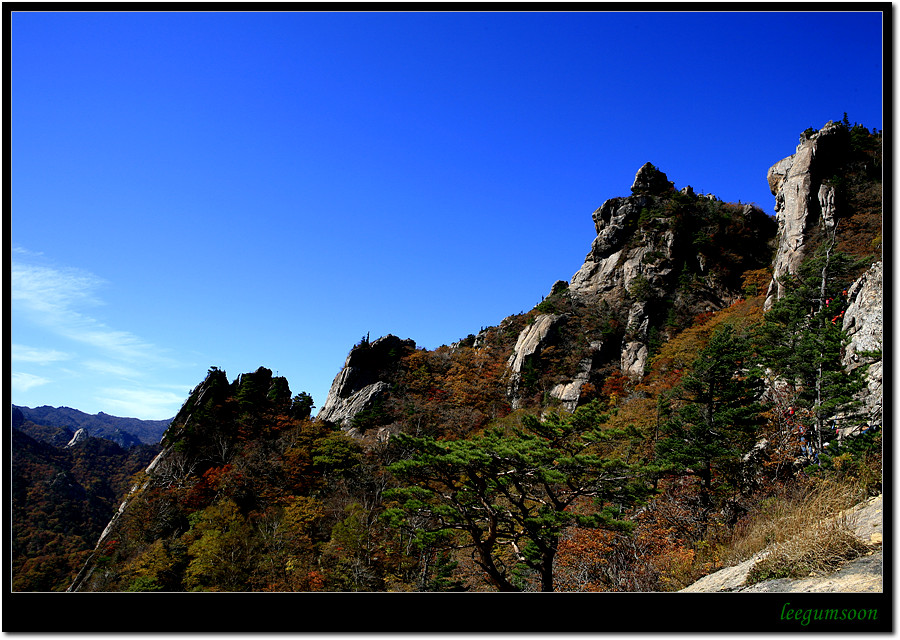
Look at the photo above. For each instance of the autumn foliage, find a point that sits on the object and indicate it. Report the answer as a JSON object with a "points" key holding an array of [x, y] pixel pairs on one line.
{"points": [[646, 483]]}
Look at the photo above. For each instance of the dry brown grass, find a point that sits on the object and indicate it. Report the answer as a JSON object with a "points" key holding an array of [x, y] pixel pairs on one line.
{"points": [[806, 531]]}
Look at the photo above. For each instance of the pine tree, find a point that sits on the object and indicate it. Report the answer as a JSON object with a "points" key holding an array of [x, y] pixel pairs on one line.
{"points": [[508, 495], [714, 412], [802, 340]]}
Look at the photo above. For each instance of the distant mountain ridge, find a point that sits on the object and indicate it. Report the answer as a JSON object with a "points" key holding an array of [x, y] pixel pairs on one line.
{"points": [[125, 431], [61, 498]]}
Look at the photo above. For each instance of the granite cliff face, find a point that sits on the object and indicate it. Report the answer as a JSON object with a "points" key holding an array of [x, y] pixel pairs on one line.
{"points": [[364, 379], [803, 201], [660, 257], [531, 341], [616, 264], [864, 324], [827, 191]]}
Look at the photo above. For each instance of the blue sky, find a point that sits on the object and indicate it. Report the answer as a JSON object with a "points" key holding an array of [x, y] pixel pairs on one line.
{"points": [[240, 190]]}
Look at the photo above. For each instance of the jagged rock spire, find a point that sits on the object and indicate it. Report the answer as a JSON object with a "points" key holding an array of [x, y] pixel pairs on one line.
{"points": [[651, 181], [802, 201], [361, 381]]}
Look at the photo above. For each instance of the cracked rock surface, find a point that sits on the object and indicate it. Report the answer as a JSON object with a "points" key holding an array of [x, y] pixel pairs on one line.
{"points": [[860, 575]]}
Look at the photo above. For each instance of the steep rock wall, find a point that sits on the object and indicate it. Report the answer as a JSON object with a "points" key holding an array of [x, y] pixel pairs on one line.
{"points": [[363, 379], [810, 210], [658, 255], [531, 341], [864, 324], [804, 203]]}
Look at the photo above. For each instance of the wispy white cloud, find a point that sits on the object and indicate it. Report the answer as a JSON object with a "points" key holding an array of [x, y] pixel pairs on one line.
{"points": [[21, 353], [152, 404], [54, 298], [111, 368], [25, 252], [50, 290], [22, 382], [102, 366]]}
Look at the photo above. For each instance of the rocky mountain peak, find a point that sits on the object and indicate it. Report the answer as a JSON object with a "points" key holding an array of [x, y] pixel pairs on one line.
{"points": [[663, 260], [811, 197], [660, 257], [364, 378], [662, 252], [651, 181]]}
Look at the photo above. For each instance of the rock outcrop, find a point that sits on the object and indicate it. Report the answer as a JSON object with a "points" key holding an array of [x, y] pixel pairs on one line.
{"points": [[570, 393], [864, 574], [651, 181], [864, 324], [364, 378], [805, 201], [811, 210], [80, 435], [531, 341], [617, 269], [658, 254], [615, 259]]}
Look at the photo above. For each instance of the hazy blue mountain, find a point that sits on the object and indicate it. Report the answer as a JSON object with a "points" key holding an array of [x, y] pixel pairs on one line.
{"points": [[125, 431]]}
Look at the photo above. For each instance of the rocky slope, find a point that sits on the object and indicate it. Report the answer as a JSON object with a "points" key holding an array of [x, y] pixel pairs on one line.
{"points": [[215, 423], [62, 496], [660, 257], [863, 574]]}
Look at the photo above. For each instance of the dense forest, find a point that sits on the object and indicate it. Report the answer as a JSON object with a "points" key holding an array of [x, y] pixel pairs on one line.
{"points": [[62, 499], [462, 476]]}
